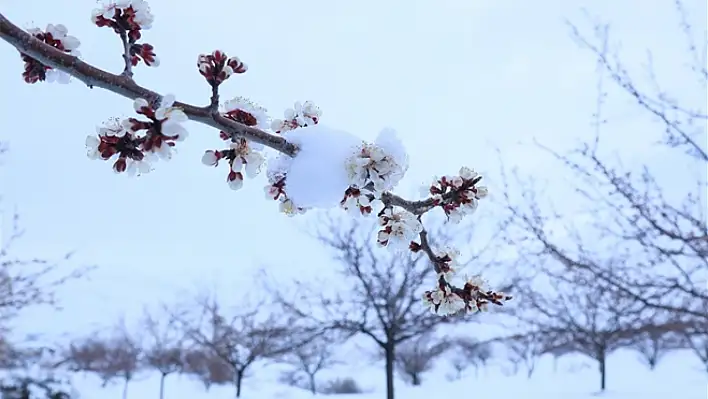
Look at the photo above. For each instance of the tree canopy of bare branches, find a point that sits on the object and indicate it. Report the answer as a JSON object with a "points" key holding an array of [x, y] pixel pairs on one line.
{"points": [[236, 336], [417, 356], [381, 302], [309, 359]]}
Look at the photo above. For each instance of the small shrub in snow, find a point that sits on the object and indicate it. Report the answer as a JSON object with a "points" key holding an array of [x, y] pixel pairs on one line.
{"points": [[342, 386], [316, 166]]}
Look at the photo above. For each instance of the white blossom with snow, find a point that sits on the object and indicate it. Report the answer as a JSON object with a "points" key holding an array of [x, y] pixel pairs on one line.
{"points": [[303, 115], [316, 177], [383, 163], [248, 106]]}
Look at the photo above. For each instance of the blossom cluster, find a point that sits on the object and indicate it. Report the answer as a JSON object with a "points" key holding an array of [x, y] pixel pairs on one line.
{"points": [[302, 115], [217, 67], [242, 155], [399, 228], [57, 37], [136, 143], [459, 195], [128, 18], [448, 299]]}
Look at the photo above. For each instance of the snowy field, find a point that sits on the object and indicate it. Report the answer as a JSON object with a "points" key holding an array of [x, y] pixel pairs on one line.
{"points": [[678, 376]]}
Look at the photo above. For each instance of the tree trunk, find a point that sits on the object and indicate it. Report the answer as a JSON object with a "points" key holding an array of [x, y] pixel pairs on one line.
{"points": [[162, 385], [389, 350], [125, 388], [415, 377], [601, 358], [313, 386], [239, 380]]}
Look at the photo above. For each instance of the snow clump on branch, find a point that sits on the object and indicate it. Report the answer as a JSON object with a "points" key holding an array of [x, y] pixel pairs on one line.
{"points": [[317, 167]]}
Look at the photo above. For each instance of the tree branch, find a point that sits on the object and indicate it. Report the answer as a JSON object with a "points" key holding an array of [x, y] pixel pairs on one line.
{"points": [[125, 86]]}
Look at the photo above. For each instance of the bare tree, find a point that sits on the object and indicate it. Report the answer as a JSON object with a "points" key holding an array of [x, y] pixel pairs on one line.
{"points": [[238, 338], [579, 314], [309, 359], [372, 170], [417, 356], [656, 340], [382, 301], [209, 368], [115, 356], [655, 228], [164, 349], [469, 352]]}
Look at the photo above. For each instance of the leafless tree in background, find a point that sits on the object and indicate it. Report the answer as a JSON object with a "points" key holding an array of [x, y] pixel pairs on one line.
{"points": [[581, 315], [656, 340], [207, 367], [656, 233], [240, 337], [466, 352], [114, 356], [308, 360], [382, 300], [164, 348], [417, 356]]}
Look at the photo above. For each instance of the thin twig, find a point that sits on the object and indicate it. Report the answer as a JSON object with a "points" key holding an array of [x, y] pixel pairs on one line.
{"points": [[128, 70]]}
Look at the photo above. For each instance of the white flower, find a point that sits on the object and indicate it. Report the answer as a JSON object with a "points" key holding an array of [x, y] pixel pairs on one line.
{"points": [[468, 174], [138, 167], [140, 103], [399, 228], [482, 191], [210, 158], [451, 305], [111, 127], [302, 115], [143, 16], [236, 182], [370, 163], [246, 156], [478, 282], [289, 208], [55, 75], [92, 143], [248, 106], [171, 118]]}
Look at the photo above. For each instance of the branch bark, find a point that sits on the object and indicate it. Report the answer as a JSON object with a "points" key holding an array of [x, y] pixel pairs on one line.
{"points": [[125, 86]]}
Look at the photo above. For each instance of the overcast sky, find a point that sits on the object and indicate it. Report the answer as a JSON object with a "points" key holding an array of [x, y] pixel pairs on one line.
{"points": [[455, 78]]}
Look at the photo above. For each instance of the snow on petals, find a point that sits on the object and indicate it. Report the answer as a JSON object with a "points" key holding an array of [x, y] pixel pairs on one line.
{"points": [[247, 112]]}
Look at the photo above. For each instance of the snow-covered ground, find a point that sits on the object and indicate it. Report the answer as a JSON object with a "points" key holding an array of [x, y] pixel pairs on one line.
{"points": [[678, 376]]}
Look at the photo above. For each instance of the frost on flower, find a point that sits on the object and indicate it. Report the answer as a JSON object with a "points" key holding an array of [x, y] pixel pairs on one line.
{"points": [[399, 228], [245, 111], [378, 166], [303, 115], [133, 143], [242, 156], [57, 37]]}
